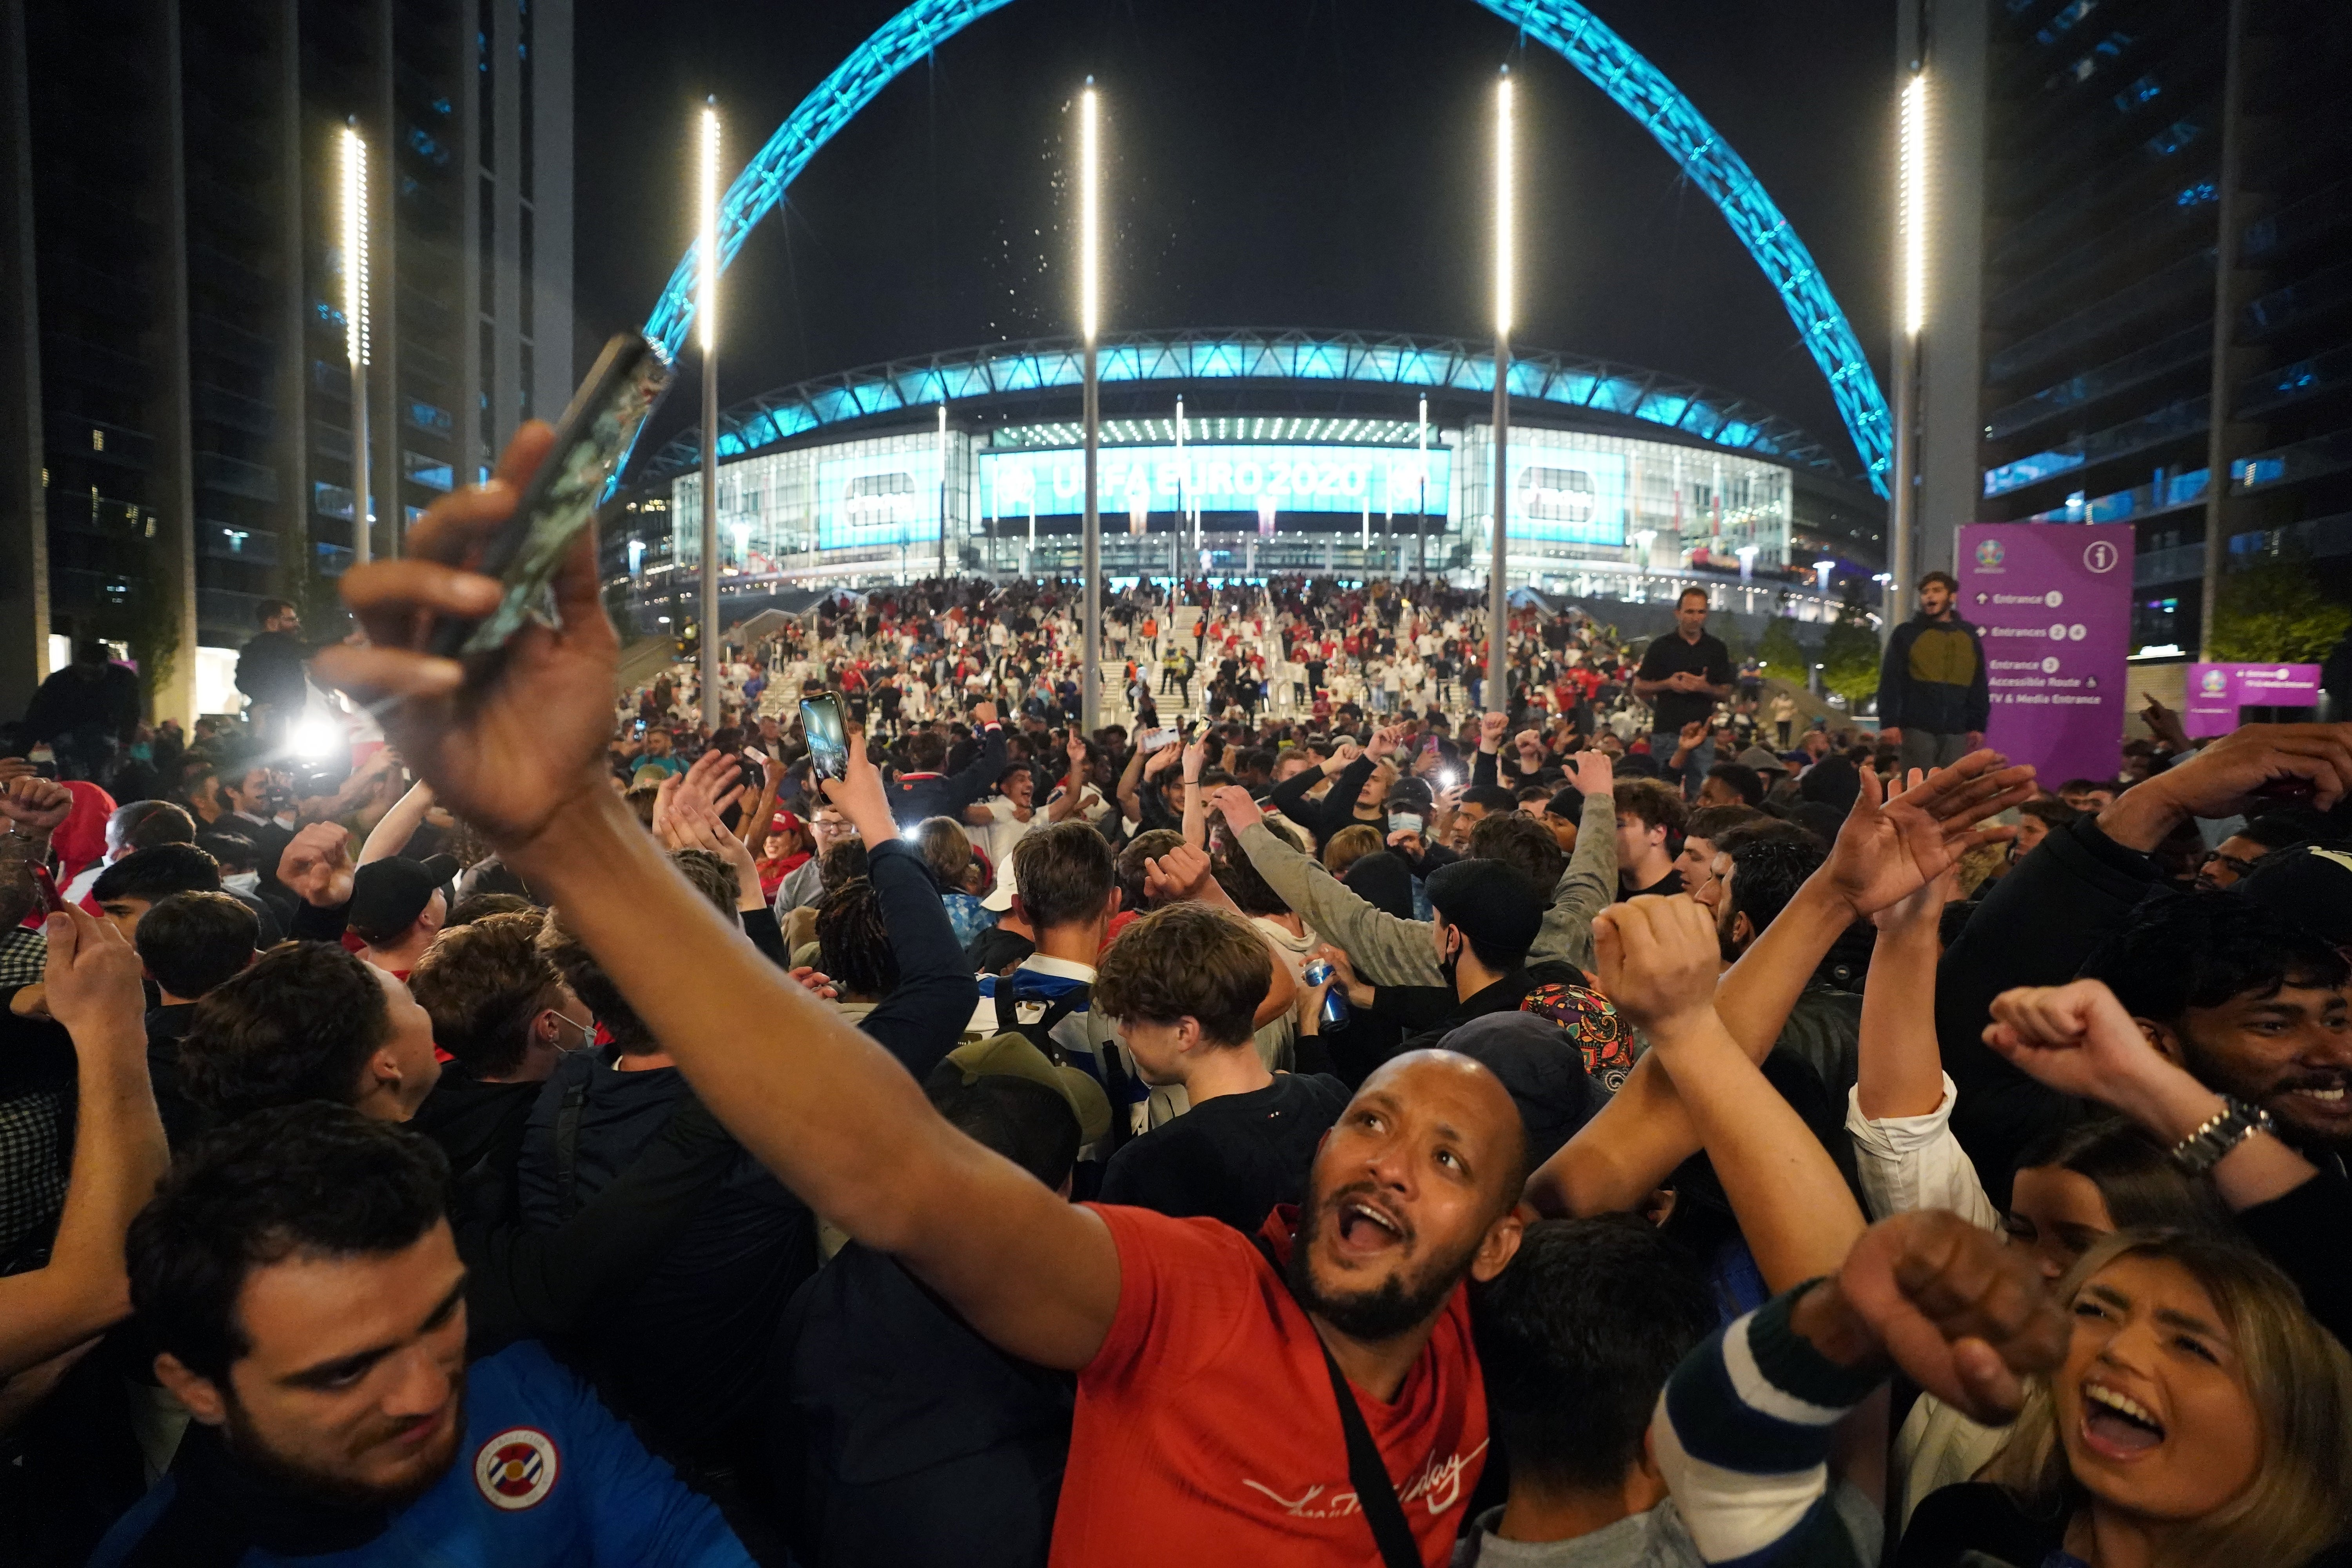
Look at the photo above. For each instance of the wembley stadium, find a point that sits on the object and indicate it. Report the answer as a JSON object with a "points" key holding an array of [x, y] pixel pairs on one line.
{"points": [[1240, 453]]}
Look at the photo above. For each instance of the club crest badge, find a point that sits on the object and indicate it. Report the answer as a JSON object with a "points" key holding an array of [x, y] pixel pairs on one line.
{"points": [[517, 1469]]}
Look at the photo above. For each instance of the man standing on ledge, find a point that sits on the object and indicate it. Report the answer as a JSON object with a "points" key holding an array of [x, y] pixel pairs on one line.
{"points": [[1932, 698], [1684, 674]]}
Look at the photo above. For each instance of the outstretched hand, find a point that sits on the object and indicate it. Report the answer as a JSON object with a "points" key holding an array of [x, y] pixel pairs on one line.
{"points": [[1591, 773], [1895, 841], [1659, 958], [512, 750], [1965, 1317], [90, 982], [2076, 1038], [861, 796], [1184, 872], [1232, 802], [317, 865], [35, 804]]}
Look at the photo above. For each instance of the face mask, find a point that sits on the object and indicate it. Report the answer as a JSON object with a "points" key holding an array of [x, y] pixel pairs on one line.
{"points": [[241, 882]]}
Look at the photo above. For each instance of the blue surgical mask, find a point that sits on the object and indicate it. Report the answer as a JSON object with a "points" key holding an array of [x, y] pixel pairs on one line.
{"points": [[241, 881]]}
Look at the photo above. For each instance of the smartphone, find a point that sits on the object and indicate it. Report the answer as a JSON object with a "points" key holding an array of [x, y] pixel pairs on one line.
{"points": [[826, 725], [47, 886], [1404, 822], [1154, 738], [625, 384]]}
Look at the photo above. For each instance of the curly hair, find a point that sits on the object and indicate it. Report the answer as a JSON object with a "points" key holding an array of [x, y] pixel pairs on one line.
{"points": [[853, 940]]}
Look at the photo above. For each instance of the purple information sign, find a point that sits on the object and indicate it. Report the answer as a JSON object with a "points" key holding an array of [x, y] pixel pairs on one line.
{"points": [[2216, 693], [2052, 602]]}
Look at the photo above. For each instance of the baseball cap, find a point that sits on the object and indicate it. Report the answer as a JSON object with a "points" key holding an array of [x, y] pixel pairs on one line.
{"points": [[785, 821], [1762, 761], [1000, 897], [2309, 885], [387, 895], [1495, 905], [1542, 1069], [1012, 1055]]}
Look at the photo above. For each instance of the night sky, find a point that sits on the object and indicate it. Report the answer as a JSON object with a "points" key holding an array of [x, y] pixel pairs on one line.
{"points": [[1273, 162]]}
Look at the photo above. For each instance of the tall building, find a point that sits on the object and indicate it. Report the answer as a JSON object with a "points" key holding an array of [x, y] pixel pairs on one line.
{"points": [[2122, 246], [173, 302]]}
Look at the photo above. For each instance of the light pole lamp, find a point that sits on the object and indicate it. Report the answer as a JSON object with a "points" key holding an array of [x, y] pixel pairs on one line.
{"points": [[355, 330], [706, 313], [1911, 212], [1498, 585], [1089, 324]]}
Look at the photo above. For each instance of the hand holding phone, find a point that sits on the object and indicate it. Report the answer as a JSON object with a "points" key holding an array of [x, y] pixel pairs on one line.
{"points": [[826, 724], [623, 387], [46, 887]]}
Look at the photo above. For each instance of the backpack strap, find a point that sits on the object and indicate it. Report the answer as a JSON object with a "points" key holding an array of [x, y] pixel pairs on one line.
{"points": [[1376, 1494]]}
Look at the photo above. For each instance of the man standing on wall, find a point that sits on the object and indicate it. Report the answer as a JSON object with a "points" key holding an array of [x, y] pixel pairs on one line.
{"points": [[1932, 698], [1684, 674]]}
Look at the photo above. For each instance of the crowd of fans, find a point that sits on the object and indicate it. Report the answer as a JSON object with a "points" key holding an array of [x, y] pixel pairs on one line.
{"points": [[1627, 1125]]}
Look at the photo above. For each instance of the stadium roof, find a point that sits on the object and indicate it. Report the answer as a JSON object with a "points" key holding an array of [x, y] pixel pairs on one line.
{"points": [[1244, 355]]}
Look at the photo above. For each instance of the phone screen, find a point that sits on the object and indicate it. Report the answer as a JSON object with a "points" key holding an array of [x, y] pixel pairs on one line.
{"points": [[46, 885], [1155, 738], [628, 379], [828, 735]]}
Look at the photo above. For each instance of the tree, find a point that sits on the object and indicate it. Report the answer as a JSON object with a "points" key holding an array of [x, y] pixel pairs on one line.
{"points": [[1850, 651], [1783, 656], [2273, 610]]}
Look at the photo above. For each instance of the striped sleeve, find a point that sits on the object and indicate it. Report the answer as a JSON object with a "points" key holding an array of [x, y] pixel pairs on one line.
{"points": [[1742, 1434]]}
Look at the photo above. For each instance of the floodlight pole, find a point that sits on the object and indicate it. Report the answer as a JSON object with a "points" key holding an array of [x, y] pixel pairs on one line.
{"points": [[1090, 313], [1911, 219], [1420, 528], [943, 491], [706, 313], [1497, 588], [355, 331], [1183, 506]]}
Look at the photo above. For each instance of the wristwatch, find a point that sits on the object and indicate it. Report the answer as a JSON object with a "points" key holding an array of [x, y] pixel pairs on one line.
{"points": [[2203, 1149]]}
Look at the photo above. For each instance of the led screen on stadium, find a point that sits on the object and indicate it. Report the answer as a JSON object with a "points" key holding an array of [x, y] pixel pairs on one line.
{"points": [[1386, 480], [1564, 494]]}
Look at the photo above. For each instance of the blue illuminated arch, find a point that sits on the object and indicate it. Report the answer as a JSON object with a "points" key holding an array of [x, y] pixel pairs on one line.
{"points": [[1607, 60]]}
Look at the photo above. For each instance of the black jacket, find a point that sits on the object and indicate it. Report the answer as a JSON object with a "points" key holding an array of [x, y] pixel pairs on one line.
{"points": [[912, 1440], [1933, 678], [2037, 927], [915, 796], [269, 670], [1335, 811]]}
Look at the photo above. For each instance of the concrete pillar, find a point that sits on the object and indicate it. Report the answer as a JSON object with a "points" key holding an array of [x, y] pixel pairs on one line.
{"points": [[469, 136], [1950, 38], [290, 452], [505, 303], [385, 419], [172, 495], [24, 510]]}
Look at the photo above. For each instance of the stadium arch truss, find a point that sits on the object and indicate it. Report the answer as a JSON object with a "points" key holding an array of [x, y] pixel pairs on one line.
{"points": [[1564, 26], [1248, 354]]}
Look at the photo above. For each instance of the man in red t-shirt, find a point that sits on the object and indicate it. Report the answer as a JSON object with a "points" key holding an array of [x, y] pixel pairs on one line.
{"points": [[1207, 1427]]}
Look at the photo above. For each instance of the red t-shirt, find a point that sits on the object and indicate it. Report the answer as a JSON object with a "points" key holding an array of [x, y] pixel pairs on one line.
{"points": [[1206, 1431]]}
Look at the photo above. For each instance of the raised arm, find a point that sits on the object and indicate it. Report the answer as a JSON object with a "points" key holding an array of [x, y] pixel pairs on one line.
{"points": [[91, 986], [1657, 956], [1386, 950], [1589, 884], [391, 835], [824, 1107], [1196, 815], [1887, 850], [923, 1016]]}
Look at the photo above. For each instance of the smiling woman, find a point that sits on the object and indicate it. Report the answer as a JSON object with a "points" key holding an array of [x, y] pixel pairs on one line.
{"points": [[2199, 1417]]}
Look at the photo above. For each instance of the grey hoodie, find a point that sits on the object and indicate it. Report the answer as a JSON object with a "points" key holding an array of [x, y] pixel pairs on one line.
{"points": [[1387, 950]]}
